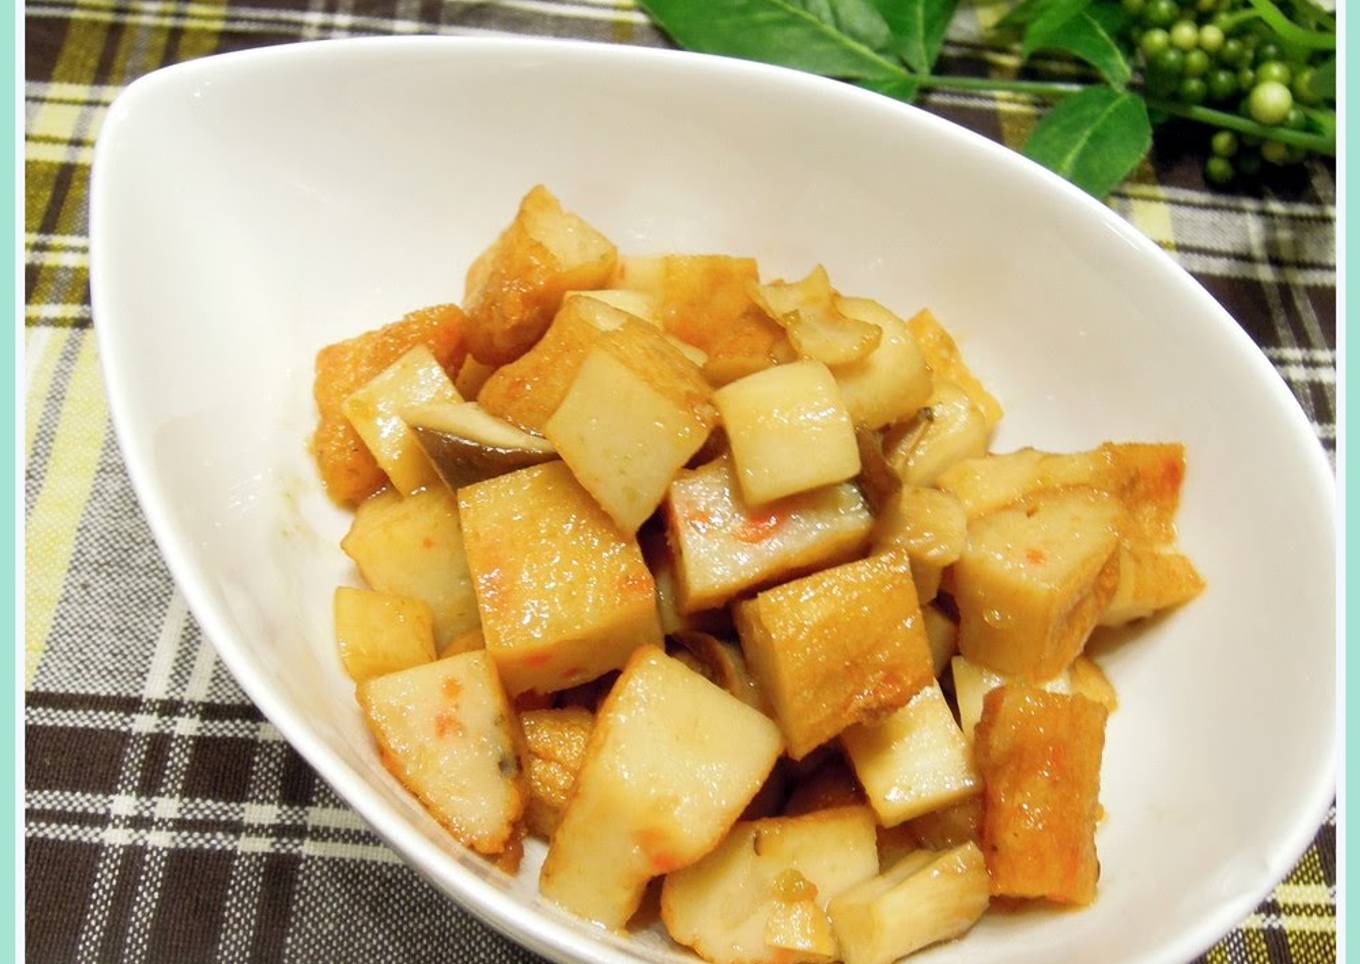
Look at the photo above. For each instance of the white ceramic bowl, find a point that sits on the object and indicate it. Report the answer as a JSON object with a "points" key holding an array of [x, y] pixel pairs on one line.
{"points": [[248, 209]]}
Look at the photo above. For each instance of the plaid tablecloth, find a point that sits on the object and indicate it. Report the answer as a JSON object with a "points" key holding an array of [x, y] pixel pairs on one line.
{"points": [[165, 820]]}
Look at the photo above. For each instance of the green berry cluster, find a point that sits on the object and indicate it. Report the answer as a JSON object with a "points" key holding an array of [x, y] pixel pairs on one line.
{"points": [[1215, 52]]}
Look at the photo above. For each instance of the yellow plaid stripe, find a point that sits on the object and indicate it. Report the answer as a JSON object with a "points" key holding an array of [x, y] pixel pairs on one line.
{"points": [[103, 45], [77, 442]]}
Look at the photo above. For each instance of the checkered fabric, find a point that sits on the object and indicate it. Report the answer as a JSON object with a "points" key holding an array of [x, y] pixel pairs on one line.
{"points": [[165, 819]]}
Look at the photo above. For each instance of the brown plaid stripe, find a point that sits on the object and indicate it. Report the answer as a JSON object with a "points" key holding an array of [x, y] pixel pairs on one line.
{"points": [[165, 819]]}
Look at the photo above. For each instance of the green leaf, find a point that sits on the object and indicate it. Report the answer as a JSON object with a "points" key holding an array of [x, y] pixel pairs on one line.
{"points": [[1094, 138], [1050, 18], [1114, 20], [1024, 12], [899, 88], [918, 28], [859, 20], [834, 38], [1084, 37]]}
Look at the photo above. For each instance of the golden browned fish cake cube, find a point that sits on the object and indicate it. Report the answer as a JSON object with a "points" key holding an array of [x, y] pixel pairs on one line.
{"points": [[528, 390], [1150, 580], [1039, 754], [1145, 477], [348, 470], [1035, 578], [516, 286], [556, 743], [379, 632], [702, 295], [843, 646], [563, 594], [752, 344]]}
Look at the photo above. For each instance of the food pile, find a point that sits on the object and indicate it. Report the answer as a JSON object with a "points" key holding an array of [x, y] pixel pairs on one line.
{"points": [[698, 576]]}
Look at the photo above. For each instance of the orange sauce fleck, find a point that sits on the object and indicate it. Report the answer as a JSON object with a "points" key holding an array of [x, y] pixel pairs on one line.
{"points": [[655, 844], [758, 528], [452, 688], [1035, 557], [698, 519], [637, 584], [446, 724], [537, 659], [427, 543], [1172, 472]]}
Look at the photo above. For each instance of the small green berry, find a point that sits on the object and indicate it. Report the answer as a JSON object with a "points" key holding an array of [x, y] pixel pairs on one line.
{"points": [[1192, 90], [1222, 84], [1211, 38], [1196, 63], [1223, 143], [1169, 63], [1185, 35], [1233, 54], [1249, 164], [1133, 7], [1303, 87], [1274, 70], [1268, 50], [1218, 170], [1296, 119], [1154, 42], [1275, 152], [1161, 13], [1221, 21], [1269, 102], [1246, 79]]}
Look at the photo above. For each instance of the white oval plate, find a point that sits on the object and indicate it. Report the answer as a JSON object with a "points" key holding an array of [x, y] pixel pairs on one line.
{"points": [[250, 208]]}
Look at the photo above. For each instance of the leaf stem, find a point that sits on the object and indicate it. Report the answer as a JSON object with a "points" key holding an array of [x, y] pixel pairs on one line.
{"points": [[1052, 90], [1036, 88], [1236, 122], [1234, 20], [1289, 31]]}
